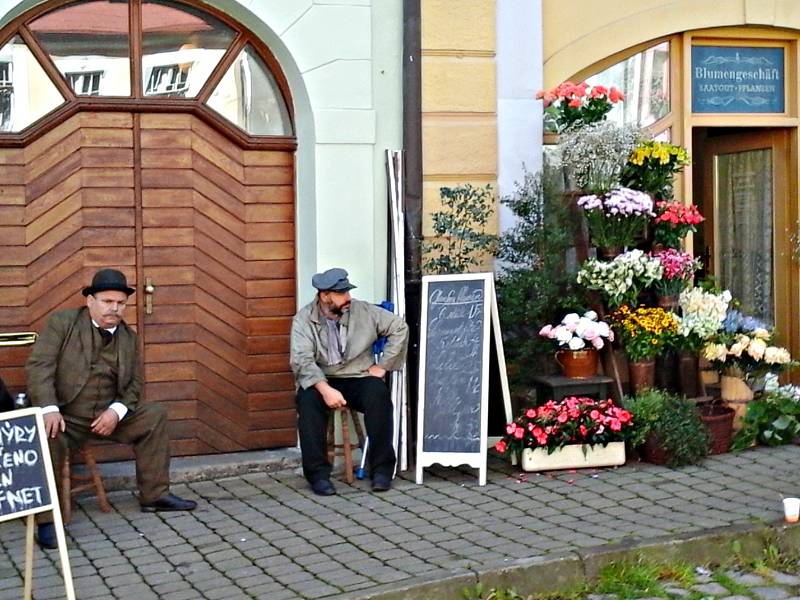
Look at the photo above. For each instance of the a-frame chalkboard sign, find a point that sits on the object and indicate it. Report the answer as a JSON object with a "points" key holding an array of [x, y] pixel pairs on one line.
{"points": [[27, 486], [459, 314]]}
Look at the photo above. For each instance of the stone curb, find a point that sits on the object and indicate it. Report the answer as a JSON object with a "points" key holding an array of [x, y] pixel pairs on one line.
{"points": [[552, 573], [122, 475]]}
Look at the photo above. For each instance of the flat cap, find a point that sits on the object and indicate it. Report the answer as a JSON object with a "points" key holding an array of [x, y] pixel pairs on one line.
{"points": [[332, 280]]}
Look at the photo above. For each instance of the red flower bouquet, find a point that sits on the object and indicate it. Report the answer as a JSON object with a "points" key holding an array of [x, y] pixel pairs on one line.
{"points": [[570, 105], [674, 220], [573, 420]]}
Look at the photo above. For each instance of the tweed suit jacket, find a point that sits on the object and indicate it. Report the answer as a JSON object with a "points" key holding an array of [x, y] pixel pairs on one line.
{"points": [[60, 363]]}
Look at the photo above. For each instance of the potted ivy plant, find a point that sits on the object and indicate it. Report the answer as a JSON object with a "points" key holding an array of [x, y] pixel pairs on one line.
{"points": [[668, 429]]}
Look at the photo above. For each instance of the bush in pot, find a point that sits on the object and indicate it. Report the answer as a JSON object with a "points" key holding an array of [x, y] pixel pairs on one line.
{"points": [[668, 427]]}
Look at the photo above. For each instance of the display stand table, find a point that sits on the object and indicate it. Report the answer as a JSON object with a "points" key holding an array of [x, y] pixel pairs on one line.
{"points": [[557, 388]]}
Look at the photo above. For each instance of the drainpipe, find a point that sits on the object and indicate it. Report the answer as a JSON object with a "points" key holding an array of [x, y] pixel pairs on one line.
{"points": [[412, 143]]}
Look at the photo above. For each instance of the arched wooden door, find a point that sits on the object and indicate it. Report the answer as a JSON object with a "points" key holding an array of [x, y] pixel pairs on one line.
{"points": [[187, 185], [167, 199]]}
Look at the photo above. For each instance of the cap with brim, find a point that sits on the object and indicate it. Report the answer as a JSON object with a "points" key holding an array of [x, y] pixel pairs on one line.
{"points": [[108, 280], [332, 280]]}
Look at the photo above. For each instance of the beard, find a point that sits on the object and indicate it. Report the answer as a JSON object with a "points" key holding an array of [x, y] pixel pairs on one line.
{"points": [[340, 310]]}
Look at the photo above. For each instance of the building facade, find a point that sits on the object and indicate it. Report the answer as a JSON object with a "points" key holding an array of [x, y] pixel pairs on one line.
{"points": [[719, 78], [218, 152]]}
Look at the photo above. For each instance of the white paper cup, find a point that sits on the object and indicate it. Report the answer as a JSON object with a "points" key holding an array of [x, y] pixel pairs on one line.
{"points": [[791, 509]]}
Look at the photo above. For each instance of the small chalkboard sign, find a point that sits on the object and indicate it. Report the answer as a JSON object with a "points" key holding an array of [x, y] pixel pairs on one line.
{"points": [[27, 485], [456, 322], [23, 479]]}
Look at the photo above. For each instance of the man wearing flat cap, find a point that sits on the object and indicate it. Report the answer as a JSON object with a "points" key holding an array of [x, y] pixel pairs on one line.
{"points": [[85, 373], [334, 366]]}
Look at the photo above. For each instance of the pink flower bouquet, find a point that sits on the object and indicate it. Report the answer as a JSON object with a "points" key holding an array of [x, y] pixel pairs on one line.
{"points": [[573, 420], [679, 268], [576, 332]]}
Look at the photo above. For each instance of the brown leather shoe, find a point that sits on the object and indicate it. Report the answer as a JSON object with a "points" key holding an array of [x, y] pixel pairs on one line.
{"points": [[169, 503]]}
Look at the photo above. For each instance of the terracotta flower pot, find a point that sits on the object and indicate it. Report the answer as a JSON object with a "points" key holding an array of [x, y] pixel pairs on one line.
{"points": [[578, 364], [718, 420], [642, 374]]}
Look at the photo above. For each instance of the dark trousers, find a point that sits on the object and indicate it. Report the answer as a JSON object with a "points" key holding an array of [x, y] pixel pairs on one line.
{"points": [[144, 428], [368, 395]]}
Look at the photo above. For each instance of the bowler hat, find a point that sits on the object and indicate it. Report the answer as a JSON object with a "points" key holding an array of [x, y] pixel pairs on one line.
{"points": [[332, 280], [107, 280]]}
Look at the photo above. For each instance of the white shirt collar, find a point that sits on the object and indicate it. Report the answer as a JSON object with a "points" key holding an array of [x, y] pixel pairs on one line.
{"points": [[111, 330]]}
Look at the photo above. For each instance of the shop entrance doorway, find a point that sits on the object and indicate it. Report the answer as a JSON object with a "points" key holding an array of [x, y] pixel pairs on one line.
{"points": [[741, 185]]}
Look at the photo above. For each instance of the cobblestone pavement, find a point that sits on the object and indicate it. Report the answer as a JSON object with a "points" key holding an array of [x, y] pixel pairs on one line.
{"points": [[265, 535], [724, 584]]}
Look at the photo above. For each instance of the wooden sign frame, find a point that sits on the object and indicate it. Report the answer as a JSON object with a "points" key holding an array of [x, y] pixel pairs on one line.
{"points": [[455, 459], [53, 506]]}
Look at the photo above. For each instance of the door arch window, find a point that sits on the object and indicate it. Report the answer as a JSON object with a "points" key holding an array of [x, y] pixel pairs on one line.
{"points": [[143, 53]]}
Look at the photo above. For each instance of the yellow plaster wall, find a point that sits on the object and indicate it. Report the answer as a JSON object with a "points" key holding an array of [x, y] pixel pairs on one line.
{"points": [[578, 34], [459, 91]]}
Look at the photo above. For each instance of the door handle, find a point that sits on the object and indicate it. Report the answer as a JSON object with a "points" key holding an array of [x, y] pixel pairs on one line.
{"points": [[149, 290]]}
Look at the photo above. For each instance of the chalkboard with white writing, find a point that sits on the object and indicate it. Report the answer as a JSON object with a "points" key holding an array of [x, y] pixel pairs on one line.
{"points": [[24, 485], [454, 367]]}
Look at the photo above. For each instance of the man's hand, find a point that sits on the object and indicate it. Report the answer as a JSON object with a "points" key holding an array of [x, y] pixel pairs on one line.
{"points": [[377, 371], [53, 423], [332, 397], [106, 423]]}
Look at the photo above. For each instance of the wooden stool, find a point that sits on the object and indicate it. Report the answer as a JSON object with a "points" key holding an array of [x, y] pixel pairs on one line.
{"points": [[75, 483], [345, 446]]}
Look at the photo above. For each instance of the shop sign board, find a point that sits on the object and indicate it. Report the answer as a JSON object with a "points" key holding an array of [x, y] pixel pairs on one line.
{"points": [[738, 79]]}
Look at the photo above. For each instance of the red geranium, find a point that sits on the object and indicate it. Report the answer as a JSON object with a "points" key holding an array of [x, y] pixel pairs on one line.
{"points": [[673, 221], [573, 420]]}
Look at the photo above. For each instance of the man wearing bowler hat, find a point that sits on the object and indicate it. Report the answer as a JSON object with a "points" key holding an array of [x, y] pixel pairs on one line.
{"points": [[85, 373], [334, 366]]}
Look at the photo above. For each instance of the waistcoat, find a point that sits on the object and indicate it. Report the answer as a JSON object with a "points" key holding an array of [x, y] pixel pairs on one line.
{"points": [[101, 387]]}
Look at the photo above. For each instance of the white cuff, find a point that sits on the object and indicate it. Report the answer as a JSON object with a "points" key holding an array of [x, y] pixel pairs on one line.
{"points": [[120, 409], [50, 408]]}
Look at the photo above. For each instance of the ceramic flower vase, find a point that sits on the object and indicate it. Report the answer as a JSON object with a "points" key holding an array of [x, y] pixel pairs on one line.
{"points": [[578, 364], [642, 374]]}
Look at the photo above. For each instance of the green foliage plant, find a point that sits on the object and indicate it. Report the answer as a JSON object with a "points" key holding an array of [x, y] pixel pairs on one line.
{"points": [[460, 241], [535, 285], [772, 419], [675, 423]]}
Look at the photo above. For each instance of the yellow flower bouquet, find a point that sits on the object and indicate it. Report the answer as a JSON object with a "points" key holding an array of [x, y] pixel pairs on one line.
{"points": [[652, 166], [645, 332]]}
